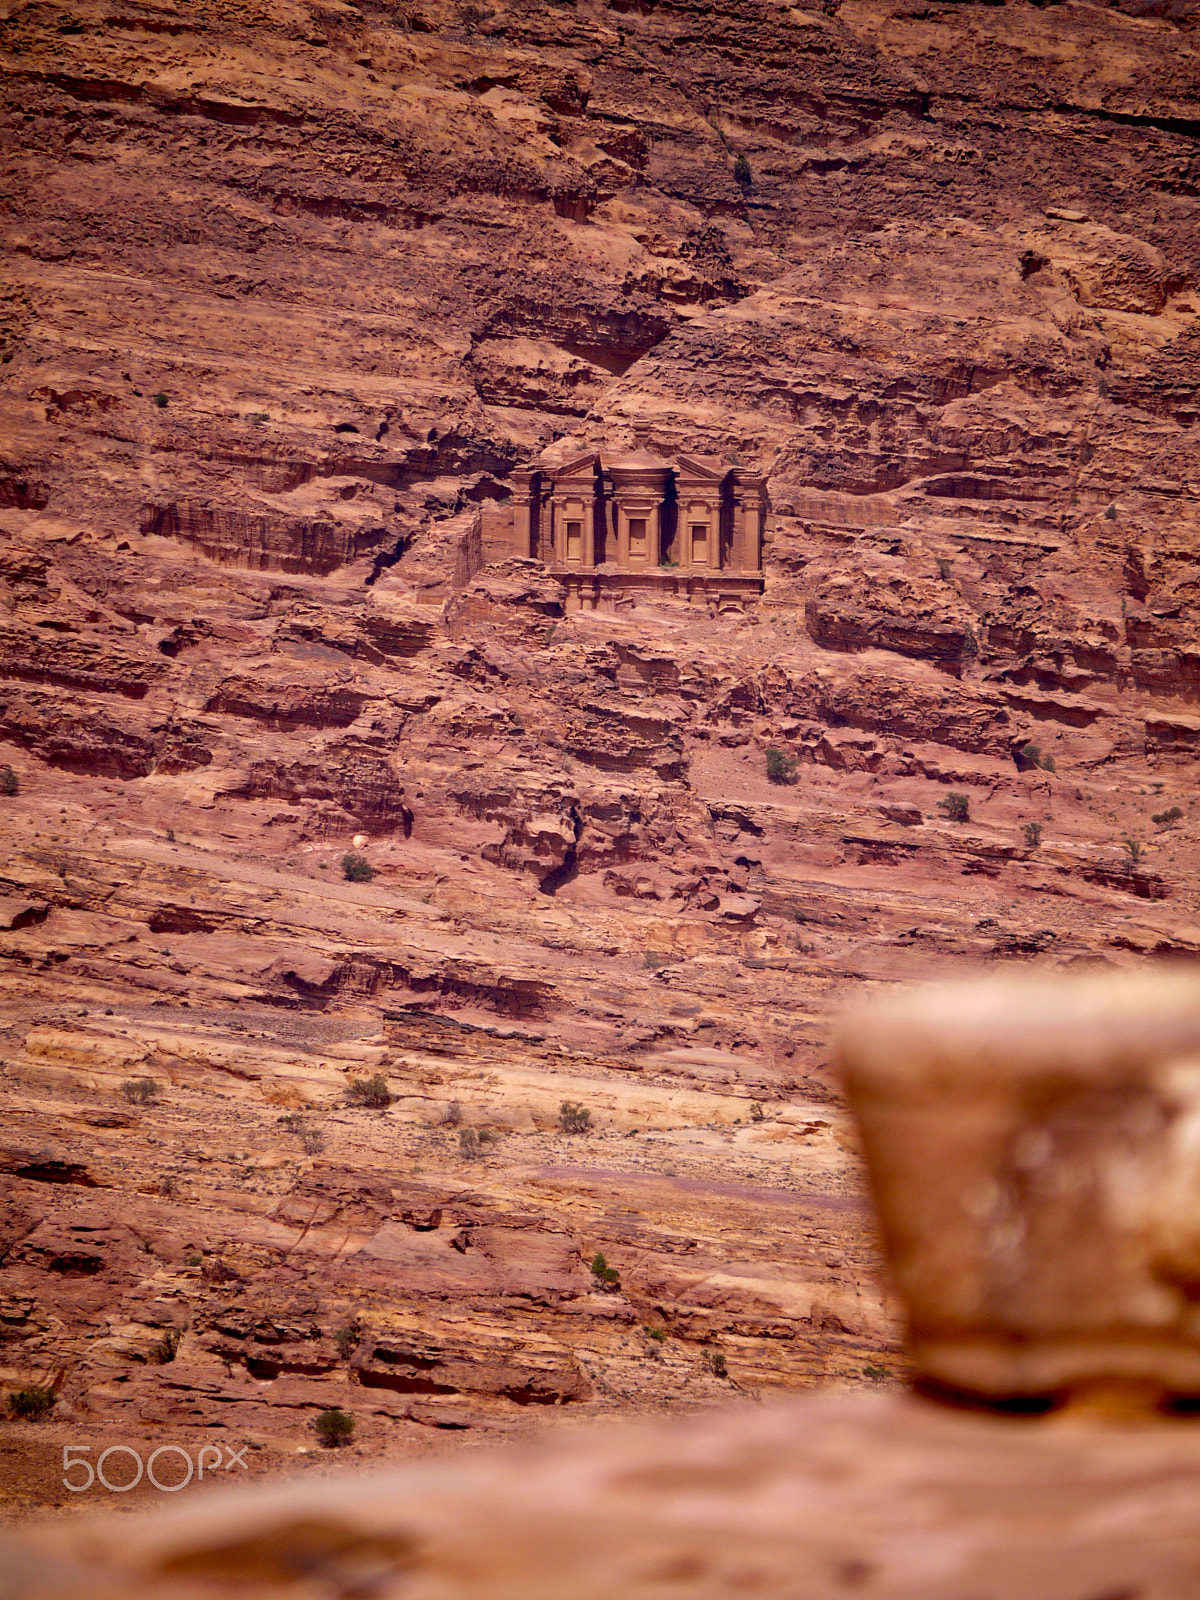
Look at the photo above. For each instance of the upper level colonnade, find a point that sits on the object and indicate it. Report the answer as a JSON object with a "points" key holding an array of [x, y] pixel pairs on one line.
{"points": [[596, 511]]}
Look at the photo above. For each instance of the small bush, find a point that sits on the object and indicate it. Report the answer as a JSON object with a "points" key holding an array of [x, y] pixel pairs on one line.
{"points": [[333, 1427], [468, 1144], [140, 1091], [1110, 513], [1049, 764], [957, 807], [452, 1115], [742, 172], [781, 768], [356, 868], [346, 1340], [312, 1140], [31, 1404], [161, 400], [1029, 755], [574, 1118], [371, 1092], [193, 1261], [10, 784], [876, 1374], [652, 961], [1166, 818], [757, 1114], [1133, 852], [1033, 834], [659, 1335], [167, 1347], [603, 1273], [717, 1364], [943, 567]]}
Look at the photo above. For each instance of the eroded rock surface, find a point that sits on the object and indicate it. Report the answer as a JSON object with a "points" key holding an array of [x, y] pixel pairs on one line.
{"points": [[289, 294]]}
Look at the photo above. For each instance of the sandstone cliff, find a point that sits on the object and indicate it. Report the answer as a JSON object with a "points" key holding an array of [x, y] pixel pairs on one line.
{"points": [[289, 291]]}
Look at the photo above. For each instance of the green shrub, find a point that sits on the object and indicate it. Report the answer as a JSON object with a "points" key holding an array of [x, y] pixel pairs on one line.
{"points": [[781, 768], [742, 172], [140, 1091], [757, 1114], [652, 961], [1133, 851], [160, 399], [876, 1374], [468, 1144], [1110, 513], [10, 784], [371, 1092], [346, 1340], [312, 1140], [1029, 755], [1165, 818], [356, 868], [717, 1364], [167, 1347], [1049, 764], [31, 1404], [659, 1335], [1033, 834], [957, 807], [603, 1273], [333, 1427], [943, 567], [574, 1118]]}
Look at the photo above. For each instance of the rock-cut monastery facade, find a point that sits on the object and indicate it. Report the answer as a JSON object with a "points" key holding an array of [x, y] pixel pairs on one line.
{"points": [[609, 526]]}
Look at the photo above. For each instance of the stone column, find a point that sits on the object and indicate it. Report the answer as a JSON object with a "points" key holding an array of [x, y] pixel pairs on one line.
{"points": [[749, 518], [589, 532], [525, 512]]}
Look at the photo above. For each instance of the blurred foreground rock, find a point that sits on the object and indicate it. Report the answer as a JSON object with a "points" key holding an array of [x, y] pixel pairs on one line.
{"points": [[879, 1496], [1034, 1146]]}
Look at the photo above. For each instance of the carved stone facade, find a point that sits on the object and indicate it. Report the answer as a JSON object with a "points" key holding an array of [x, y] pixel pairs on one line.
{"points": [[609, 526]]}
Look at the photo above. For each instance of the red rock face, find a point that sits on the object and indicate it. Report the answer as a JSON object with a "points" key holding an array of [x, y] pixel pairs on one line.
{"points": [[289, 300]]}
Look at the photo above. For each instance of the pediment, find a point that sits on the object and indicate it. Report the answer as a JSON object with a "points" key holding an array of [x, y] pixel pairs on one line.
{"points": [[705, 467], [575, 466]]}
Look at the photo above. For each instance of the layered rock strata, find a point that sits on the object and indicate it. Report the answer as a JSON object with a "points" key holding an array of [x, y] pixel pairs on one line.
{"points": [[289, 297]]}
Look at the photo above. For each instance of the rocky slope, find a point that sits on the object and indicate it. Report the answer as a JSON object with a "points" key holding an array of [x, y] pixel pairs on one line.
{"points": [[289, 290]]}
